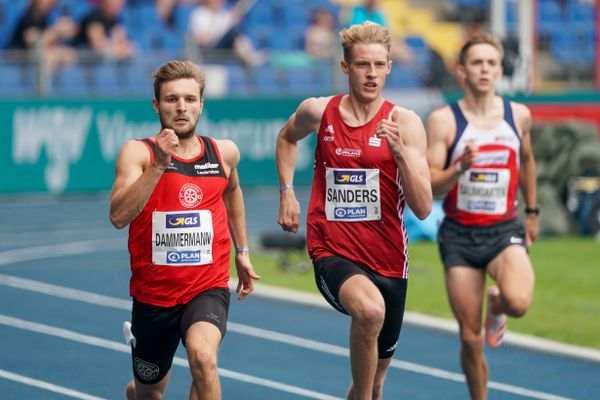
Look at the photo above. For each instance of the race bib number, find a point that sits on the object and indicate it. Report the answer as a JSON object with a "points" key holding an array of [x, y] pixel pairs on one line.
{"points": [[352, 195], [483, 191], [182, 238]]}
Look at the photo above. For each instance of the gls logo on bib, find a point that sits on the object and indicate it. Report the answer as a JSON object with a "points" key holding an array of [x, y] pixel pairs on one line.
{"points": [[343, 177], [186, 220]]}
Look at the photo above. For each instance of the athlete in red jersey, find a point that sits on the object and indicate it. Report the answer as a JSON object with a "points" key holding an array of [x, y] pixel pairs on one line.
{"points": [[180, 194], [370, 161], [479, 152]]}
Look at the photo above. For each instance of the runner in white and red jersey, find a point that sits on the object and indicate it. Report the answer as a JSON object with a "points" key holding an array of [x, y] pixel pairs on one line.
{"points": [[180, 194], [479, 153], [369, 162]]}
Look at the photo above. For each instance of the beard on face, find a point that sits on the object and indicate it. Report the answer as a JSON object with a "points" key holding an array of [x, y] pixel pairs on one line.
{"points": [[181, 134]]}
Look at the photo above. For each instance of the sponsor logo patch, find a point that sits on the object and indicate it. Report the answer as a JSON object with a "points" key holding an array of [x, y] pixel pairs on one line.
{"points": [[348, 152], [516, 240], [481, 205], [487, 177], [190, 195], [374, 141], [183, 257], [145, 370], [350, 212], [182, 220], [342, 177]]}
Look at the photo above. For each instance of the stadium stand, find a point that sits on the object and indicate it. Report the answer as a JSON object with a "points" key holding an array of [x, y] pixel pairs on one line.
{"points": [[566, 32]]}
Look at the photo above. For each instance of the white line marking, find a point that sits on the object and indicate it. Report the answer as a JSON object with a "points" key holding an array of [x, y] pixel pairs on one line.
{"points": [[283, 294], [59, 250], [440, 324], [47, 386], [107, 301], [111, 345]]}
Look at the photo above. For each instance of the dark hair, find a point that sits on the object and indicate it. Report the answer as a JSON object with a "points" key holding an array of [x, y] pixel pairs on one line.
{"points": [[480, 38], [174, 70]]}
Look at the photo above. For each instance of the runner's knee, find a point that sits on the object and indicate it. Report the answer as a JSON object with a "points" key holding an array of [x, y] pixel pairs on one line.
{"points": [[471, 341], [370, 315], [203, 362], [516, 306]]}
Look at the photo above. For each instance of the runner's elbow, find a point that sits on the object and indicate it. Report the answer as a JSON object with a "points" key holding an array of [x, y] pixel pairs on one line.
{"points": [[422, 212], [117, 222]]}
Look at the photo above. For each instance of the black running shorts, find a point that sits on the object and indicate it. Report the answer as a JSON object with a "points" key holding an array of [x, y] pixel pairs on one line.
{"points": [[158, 330], [476, 246], [332, 272]]}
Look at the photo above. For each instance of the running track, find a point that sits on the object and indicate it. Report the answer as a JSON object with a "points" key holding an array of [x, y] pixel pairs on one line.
{"points": [[64, 295]]}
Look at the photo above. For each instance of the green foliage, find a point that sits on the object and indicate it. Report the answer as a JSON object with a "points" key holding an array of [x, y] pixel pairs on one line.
{"points": [[566, 304]]}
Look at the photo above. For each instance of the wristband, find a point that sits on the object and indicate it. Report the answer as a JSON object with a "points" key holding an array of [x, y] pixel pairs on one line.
{"points": [[532, 210], [285, 186], [241, 250], [459, 167]]}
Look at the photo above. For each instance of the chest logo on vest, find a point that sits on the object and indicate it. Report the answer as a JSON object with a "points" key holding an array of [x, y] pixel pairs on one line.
{"points": [[190, 195], [348, 152], [374, 141]]}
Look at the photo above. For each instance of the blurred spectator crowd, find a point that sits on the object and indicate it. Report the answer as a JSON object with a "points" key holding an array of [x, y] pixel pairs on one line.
{"points": [[271, 47]]}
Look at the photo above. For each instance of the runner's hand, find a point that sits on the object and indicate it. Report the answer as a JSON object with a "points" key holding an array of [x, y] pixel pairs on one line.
{"points": [[246, 275], [531, 229], [389, 129], [469, 156], [289, 211], [166, 141]]}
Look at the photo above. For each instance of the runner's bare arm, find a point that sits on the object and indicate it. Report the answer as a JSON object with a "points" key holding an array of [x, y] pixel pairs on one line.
{"points": [[440, 129], [527, 171], [409, 151], [236, 218], [305, 120], [135, 178]]}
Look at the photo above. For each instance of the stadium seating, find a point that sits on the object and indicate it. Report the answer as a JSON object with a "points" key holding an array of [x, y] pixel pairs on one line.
{"points": [[277, 27]]}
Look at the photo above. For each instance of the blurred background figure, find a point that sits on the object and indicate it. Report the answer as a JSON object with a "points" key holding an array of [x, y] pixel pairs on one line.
{"points": [[213, 26], [321, 35], [102, 31], [369, 11], [36, 34]]}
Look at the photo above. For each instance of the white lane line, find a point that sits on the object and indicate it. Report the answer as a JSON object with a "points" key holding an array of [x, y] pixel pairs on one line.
{"points": [[59, 250], [107, 301], [123, 348], [284, 294], [47, 386], [440, 324]]}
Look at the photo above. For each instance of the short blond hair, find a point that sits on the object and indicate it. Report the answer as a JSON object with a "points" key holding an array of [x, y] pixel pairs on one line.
{"points": [[480, 38], [367, 32], [174, 70]]}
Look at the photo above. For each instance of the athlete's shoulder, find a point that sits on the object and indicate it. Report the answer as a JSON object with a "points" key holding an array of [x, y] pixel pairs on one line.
{"points": [[441, 123], [229, 151], [521, 115], [137, 146], [441, 114], [314, 105]]}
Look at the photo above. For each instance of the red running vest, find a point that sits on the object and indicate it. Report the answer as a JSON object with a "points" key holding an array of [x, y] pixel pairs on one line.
{"points": [[487, 193], [179, 244], [357, 200]]}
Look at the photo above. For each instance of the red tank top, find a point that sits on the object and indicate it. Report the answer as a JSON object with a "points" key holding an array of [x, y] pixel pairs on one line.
{"points": [[179, 244], [487, 193], [357, 201]]}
